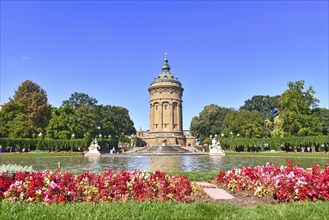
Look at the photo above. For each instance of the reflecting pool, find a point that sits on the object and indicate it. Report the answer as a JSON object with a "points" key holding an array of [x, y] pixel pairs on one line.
{"points": [[168, 163]]}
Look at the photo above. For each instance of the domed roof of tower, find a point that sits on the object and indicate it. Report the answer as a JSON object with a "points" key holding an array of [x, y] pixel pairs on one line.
{"points": [[165, 75]]}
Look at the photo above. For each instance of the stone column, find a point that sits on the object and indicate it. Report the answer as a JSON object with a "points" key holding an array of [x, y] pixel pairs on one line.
{"points": [[160, 116], [171, 112], [151, 116], [179, 117]]}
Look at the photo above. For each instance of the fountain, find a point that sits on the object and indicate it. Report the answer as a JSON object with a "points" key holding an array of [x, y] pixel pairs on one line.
{"points": [[93, 149], [163, 150]]}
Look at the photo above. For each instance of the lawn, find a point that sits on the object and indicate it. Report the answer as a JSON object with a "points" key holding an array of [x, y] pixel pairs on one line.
{"points": [[162, 210], [278, 154], [197, 176], [40, 154]]}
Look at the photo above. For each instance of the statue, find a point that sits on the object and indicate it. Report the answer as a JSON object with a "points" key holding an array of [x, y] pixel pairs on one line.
{"points": [[214, 142], [93, 149], [215, 148]]}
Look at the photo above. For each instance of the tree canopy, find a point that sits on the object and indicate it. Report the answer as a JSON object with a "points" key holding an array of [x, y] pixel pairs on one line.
{"points": [[81, 116], [244, 123], [13, 121], [209, 122], [61, 124], [266, 105], [34, 99], [296, 110], [323, 115], [114, 121], [78, 99]]}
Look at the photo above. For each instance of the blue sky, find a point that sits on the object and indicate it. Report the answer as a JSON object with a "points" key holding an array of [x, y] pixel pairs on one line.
{"points": [[223, 52]]}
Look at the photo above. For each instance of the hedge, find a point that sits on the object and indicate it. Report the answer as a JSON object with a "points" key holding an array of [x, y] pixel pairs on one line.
{"points": [[21, 144], [310, 143]]}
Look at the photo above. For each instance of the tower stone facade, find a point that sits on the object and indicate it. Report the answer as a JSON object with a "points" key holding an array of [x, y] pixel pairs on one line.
{"points": [[166, 118]]}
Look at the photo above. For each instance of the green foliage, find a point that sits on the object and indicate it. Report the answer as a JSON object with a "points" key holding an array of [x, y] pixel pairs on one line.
{"points": [[44, 144], [78, 100], [323, 115], [277, 154], [277, 128], [41, 154], [267, 106], [114, 121], [295, 110], [13, 121], [34, 98], [61, 123], [245, 123], [84, 121], [82, 117], [318, 143], [207, 140], [209, 122]]}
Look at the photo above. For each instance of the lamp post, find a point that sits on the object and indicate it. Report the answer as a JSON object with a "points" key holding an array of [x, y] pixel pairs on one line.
{"points": [[98, 132]]}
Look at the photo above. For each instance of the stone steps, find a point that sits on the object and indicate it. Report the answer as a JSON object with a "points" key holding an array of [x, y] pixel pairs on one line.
{"points": [[214, 192]]}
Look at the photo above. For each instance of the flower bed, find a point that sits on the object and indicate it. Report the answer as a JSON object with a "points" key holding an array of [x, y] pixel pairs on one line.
{"points": [[285, 183], [90, 187]]}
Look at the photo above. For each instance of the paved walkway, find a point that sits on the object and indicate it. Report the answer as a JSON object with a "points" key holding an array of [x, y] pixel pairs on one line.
{"points": [[214, 192]]}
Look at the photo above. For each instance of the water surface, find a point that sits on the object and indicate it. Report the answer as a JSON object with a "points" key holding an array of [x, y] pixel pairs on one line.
{"points": [[186, 163]]}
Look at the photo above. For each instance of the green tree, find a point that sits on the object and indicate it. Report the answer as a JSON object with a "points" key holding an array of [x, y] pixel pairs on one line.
{"points": [[13, 121], [267, 106], [295, 109], [245, 123], [323, 115], [209, 122], [84, 120], [277, 128], [78, 100], [114, 121], [61, 125], [34, 98], [87, 118]]}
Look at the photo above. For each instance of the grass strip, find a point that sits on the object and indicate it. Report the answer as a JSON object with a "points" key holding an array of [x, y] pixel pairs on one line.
{"points": [[197, 176], [164, 210], [278, 154], [40, 155]]}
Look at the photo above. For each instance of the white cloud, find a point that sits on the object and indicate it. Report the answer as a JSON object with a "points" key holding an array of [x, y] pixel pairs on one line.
{"points": [[25, 58]]}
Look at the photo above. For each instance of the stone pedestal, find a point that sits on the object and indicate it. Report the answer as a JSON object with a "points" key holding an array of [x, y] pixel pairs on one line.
{"points": [[89, 154]]}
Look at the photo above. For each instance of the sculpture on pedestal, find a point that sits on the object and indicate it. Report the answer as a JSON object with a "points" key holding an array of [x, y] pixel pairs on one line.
{"points": [[215, 148], [93, 149]]}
